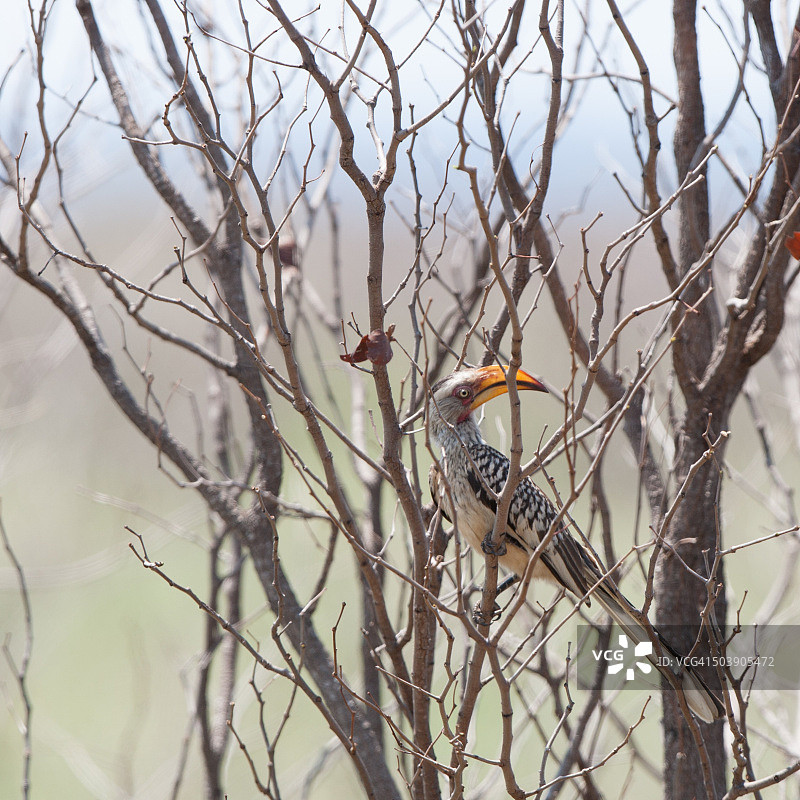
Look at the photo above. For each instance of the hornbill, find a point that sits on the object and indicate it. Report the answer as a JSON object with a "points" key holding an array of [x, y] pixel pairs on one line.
{"points": [[471, 478]]}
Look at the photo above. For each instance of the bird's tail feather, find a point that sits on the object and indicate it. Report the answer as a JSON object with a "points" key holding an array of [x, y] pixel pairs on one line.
{"points": [[703, 703]]}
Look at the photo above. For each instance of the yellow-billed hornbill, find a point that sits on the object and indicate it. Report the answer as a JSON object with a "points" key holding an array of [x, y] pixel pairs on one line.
{"points": [[474, 475]]}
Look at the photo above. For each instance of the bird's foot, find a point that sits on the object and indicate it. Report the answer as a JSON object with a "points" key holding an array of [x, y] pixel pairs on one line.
{"points": [[479, 618], [490, 548]]}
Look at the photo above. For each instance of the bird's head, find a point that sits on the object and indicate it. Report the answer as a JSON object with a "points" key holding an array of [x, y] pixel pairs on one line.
{"points": [[455, 397]]}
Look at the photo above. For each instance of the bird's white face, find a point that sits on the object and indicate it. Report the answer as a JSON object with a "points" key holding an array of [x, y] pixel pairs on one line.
{"points": [[453, 396], [459, 394]]}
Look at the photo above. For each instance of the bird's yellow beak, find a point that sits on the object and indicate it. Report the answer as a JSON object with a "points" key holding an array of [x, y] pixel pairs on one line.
{"points": [[492, 383]]}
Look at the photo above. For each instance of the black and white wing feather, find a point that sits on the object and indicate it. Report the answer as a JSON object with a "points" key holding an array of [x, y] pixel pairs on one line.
{"points": [[529, 518]]}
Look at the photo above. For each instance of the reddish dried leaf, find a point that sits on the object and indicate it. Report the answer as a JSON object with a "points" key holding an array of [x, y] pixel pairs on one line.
{"points": [[379, 351], [793, 244], [359, 354], [375, 346]]}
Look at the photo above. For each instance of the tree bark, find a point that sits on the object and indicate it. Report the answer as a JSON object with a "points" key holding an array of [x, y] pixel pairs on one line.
{"points": [[682, 597], [693, 532]]}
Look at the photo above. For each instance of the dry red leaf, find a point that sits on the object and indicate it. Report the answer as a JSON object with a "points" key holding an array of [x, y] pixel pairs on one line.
{"points": [[793, 244], [375, 347]]}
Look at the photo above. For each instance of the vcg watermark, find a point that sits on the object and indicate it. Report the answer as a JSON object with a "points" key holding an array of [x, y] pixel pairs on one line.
{"points": [[623, 658], [763, 657]]}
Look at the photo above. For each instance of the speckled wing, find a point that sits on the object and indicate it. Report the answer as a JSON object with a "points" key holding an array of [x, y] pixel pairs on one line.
{"points": [[529, 518]]}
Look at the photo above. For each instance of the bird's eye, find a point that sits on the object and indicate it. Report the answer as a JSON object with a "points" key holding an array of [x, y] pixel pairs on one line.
{"points": [[463, 392]]}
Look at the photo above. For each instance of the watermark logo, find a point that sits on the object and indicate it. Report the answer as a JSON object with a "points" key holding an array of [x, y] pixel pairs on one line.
{"points": [[761, 657], [617, 658]]}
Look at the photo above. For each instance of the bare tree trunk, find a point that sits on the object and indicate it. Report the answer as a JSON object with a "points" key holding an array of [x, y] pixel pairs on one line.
{"points": [[681, 599], [694, 529], [712, 357]]}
